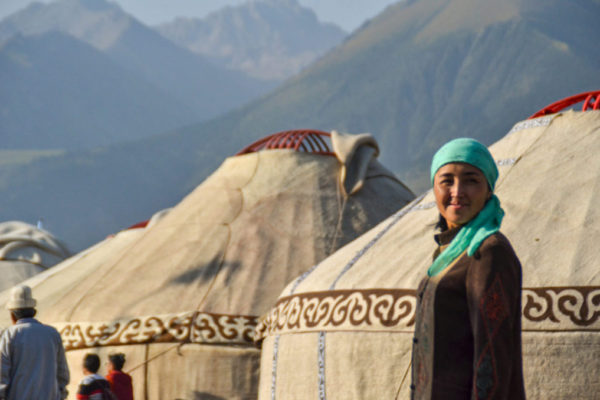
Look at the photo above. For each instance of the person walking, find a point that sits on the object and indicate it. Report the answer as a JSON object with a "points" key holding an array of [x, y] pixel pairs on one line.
{"points": [[120, 382], [32, 357], [467, 342]]}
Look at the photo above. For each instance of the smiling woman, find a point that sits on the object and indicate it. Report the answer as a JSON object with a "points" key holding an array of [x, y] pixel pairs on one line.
{"points": [[461, 191], [467, 342]]}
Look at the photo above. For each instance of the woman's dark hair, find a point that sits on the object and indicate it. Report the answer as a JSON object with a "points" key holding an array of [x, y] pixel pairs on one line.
{"points": [[442, 225], [91, 362], [19, 313], [117, 360]]}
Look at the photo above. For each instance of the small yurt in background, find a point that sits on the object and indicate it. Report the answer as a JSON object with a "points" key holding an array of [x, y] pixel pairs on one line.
{"points": [[26, 250], [182, 298], [344, 330]]}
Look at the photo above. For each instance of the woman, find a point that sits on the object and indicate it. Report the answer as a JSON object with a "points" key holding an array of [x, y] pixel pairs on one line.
{"points": [[120, 382], [467, 342]]}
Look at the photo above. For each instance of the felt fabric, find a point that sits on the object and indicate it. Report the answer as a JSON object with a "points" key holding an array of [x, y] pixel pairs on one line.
{"points": [[355, 152], [26, 250], [489, 219]]}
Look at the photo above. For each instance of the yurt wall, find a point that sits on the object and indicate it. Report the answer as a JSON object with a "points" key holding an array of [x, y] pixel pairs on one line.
{"points": [[344, 330]]}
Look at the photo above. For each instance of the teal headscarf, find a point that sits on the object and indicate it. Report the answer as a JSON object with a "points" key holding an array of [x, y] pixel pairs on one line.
{"points": [[488, 221]]}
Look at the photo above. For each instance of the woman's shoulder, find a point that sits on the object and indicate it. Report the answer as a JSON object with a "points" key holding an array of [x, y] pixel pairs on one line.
{"points": [[496, 251], [497, 242]]}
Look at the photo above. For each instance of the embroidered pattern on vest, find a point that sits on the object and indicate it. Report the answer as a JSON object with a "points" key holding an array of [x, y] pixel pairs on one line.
{"points": [[493, 312]]}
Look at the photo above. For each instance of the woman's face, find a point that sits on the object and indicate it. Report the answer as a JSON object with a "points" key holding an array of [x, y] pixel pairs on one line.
{"points": [[461, 191]]}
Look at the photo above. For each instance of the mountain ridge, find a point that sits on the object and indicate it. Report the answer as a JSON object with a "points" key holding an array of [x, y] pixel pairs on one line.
{"points": [[190, 80], [411, 95], [62, 81], [265, 39]]}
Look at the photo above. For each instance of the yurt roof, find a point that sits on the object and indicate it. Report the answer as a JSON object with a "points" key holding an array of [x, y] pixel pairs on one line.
{"points": [[356, 308], [26, 250]]}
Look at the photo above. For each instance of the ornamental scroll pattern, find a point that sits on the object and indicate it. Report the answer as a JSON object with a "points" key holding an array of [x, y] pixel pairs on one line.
{"points": [[374, 309], [544, 308], [561, 308], [189, 327]]}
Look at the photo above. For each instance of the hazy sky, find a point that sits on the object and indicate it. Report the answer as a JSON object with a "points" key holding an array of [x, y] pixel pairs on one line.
{"points": [[348, 14]]}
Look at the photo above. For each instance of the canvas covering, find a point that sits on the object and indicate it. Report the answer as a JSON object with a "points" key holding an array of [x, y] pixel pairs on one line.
{"points": [[25, 251], [185, 295], [344, 330]]}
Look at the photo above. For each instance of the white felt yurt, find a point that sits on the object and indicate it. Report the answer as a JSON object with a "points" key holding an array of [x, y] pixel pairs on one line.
{"points": [[182, 300], [26, 250], [344, 329]]}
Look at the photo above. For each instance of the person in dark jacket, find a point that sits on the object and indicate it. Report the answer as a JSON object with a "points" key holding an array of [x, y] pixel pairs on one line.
{"points": [[120, 382], [467, 342], [93, 386]]}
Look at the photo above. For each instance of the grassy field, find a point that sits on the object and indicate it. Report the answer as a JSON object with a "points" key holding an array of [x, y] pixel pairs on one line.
{"points": [[19, 157]]}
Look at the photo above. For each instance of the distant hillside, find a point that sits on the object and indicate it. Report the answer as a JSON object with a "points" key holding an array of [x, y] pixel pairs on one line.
{"points": [[58, 92], [267, 39], [420, 73], [191, 81], [426, 71]]}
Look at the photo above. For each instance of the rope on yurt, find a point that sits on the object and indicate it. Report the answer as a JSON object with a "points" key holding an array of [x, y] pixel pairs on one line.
{"points": [[341, 207], [146, 351], [143, 363], [403, 379]]}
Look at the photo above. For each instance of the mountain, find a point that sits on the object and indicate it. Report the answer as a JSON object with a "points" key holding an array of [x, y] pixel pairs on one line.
{"points": [[190, 79], [58, 92], [267, 39], [420, 73], [426, 71]]}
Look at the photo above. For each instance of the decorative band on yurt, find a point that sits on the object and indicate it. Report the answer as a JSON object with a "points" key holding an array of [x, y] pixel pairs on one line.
{"points": [[188, 327], [533, 123], [341, 310], [567, 309]]}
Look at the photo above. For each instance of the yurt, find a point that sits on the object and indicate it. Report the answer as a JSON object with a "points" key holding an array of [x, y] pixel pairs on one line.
{"points": [[182, 300], [344, 330], [27, 250]]}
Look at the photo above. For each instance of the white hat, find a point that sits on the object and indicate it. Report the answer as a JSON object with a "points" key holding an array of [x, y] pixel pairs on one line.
{"points": [[20, 297]]}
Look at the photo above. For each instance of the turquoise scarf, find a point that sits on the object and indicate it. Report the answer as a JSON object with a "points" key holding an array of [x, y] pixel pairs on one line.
{"points": [[489, 219]]}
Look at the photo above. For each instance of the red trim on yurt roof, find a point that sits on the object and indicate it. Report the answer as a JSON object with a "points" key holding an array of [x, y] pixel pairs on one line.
{"points": [[591, 101], [142, 224], [303, 140], [139, 225]]}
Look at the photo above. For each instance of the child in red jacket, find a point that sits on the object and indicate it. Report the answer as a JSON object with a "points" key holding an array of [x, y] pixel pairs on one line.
{"points": [[120, 382]]}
